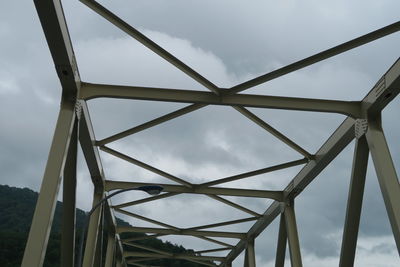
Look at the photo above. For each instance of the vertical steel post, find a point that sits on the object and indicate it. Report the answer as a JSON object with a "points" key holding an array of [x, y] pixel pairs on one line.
{"points": [[43, 216], [93, 231], [246, 258], [386, 174], [292, 234], [69, 203], [354, 202], [110, 254], [282, 240], [251, 255], [98, 259]]}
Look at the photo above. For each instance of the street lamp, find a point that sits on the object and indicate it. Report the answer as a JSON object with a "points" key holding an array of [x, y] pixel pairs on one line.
{"points": [[150, 189]]}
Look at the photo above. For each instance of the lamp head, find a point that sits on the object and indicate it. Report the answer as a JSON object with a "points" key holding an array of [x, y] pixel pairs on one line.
{"points": [[151, 189]]}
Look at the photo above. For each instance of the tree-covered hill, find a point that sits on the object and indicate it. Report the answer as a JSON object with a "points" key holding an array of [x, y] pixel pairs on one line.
{"points": [[16, 211]]}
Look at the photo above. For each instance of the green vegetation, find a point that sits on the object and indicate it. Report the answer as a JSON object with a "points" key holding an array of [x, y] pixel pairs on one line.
{"points": [[16, 212]]}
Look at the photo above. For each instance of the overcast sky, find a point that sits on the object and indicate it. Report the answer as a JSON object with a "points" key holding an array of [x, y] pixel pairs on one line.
{"points": [[228, 42]]}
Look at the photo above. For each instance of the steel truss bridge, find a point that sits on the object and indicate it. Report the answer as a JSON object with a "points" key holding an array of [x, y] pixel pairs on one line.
{"points": [[363, 123]]}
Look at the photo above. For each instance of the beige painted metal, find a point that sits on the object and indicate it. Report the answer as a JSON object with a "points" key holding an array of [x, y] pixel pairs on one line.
{"points": [[245, 112], [152, 123], [211, 250], [93, 231], [331, 52], [256, 172], [282, 241], [234, 205], [354, 203], [148, 248], [175, 256], [107, 14], [145, 166], [277, 195], [43, 216], [69, 202], [292, 235], [387, 176], [251, 254], [110, 253], [122, 229], [90, 91], [144, 200]]}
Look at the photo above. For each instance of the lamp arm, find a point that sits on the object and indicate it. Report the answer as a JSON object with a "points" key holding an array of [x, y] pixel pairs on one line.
{"points": [[85, 226]]}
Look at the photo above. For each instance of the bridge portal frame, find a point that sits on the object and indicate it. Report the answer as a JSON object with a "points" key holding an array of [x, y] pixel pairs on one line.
{"points": [[74, 125]]}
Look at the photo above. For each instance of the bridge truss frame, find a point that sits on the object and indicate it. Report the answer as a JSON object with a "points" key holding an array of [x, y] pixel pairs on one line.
{"points": [[363, 123]]}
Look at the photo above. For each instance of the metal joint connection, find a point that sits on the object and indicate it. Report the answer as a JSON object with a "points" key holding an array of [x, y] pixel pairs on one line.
{"points": [[78, 110], [360, 128]]}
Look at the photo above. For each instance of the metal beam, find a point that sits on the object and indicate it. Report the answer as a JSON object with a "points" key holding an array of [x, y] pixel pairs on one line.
{"points": [[69, 202], [211, 250], [147, 219], [343, 135], [292, 235], [55, 29], [211, 240], [215, 241], [277, 195], [251, 116], [43, 216], [142, 237], [256, 172], [354, 203], [110, 252], [282, 241], [122, 25], [93, 161], [213, 225], [90, 91], [234, 205], [93, 232], [145, 166], [175, 256], [148, 248], [171, 227], [90, 152], [246, 258], [331, 52], [387, 176], [144, 200], [98, 257], [150, 124], [251, 255], [384, 91], [122, 229]]}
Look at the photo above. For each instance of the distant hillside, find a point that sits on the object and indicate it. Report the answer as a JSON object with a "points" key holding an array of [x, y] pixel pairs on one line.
{"points": [[16, 211]]}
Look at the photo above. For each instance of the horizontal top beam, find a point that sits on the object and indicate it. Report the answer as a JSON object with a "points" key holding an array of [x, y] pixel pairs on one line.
{"points": [[90, 91], [122, 229], [175, 256], [276, 195]]}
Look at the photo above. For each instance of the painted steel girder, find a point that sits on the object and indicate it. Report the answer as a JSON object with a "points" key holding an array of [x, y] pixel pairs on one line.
{"points": [[90, 91], [277, 195]]}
